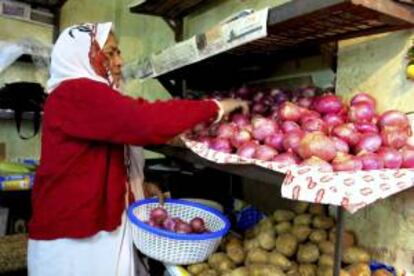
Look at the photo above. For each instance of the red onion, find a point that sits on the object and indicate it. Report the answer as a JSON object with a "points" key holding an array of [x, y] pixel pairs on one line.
{"points": [[394, 118], [371, 161], [408, 158], [158, 215], [258, 97], [394, 137], [292, 140], [275, 140], [363, 98], [346, 162], [248, 149], [305, 102], [361, 112], [366, 127], [259, 108], [263, 128], [200, 127], [347, 132], [152, 223], [240, 120], [226, 130], [290, 112], [328, 104], [392, 158], [369, 142], [317, 144], [289, 126], [287, 158], [183, 228], [317, 162], [169, 224], [314, 124], [243, 92], [241, 137], [197, 225], [280, 98], [221, 144], [340, 145], [332, 120], [265, 153]]}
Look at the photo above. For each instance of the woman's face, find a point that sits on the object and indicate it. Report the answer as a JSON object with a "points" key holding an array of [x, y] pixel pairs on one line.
{"points": [[113, 54]]}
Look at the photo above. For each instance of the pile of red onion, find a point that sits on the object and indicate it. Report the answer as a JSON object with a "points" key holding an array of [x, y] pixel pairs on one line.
{"points": [[303, 127], [159, 218]]}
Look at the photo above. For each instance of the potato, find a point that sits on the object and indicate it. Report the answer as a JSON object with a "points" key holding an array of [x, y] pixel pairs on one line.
{"points": [[327, 247], [257, 255], [283, 227], [209, 272], [249, 234], [294, 270], [322, 222], [287, 244], [283, 215], [301, 232], [326, 260], [217, 258], [240, 271], [225, 273], [382, 272], [308, 253], [251, 244], [349, 239], [277, 259], [267, 240], [197, 268], [265, 224], [307, 270], [300, 207], [354, 255], [328, 271], [317, 209], [235, 252], [359, 270], [318, 235], [265, 270], [225, 265], [304, 219]]}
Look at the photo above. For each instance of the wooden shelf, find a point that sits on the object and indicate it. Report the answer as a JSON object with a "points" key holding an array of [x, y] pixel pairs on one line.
{"points": [[170, 9], [296, 28], [248, 171]]}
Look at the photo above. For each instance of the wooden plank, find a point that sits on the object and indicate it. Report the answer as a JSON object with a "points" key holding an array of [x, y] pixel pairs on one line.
{"points": [[397, 11]]}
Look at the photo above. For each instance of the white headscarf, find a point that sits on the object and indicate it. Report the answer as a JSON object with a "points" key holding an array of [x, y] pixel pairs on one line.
{"points": [[70, 55]]}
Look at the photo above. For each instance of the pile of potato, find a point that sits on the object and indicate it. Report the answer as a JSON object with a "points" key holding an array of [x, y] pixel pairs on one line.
{"points": [[290, 243]]}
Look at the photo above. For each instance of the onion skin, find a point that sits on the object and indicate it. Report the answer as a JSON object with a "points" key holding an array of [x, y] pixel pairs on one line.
{"points": [[408, 157], [394, 118], [314, 124], [265, 153], [248, 150], [197, 225], [346, 162], [275, 140], [287, 158], [361, 112], [241, 137], [263, 128], [292, 140], [369, 142], [241, 120], [348, 133], [221, 144], [332, 120], [328, 104], [340, 145], [394, 137], [392, 158], [290, 112], [289, 126], [371, 161], [317, 162], [364, 98], [317, 144], [226, 130], [367, 127]]}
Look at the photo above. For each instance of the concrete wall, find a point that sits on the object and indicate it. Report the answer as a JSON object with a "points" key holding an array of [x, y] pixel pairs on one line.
{"points": [[377, 65]]}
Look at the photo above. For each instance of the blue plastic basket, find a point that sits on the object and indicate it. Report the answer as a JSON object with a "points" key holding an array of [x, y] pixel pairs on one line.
{"points": [[248, 217], [175, 248]]}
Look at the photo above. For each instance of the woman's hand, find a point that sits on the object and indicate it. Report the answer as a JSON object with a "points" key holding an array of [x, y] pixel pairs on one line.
{"points": [[230, 105], [152, 189]]}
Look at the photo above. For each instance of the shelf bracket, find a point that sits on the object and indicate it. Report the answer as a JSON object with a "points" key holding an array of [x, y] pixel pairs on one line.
{"points": [[176, 24]]}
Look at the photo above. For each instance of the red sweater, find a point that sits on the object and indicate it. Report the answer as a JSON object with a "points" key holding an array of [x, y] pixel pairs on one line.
{"points": [[80, 184]]}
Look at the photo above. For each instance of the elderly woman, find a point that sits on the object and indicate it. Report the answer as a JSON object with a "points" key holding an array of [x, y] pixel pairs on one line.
{"points": [[78, 222]]}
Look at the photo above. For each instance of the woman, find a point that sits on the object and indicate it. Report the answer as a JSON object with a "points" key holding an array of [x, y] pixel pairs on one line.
{"points": [[78, 222]]}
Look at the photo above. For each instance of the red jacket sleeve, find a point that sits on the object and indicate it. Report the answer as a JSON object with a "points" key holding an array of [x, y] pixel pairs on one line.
{"points": [[92, 110]]}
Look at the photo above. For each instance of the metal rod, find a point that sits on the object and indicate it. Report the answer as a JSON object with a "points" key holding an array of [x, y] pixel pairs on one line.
{"points": [[340, 228]]}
